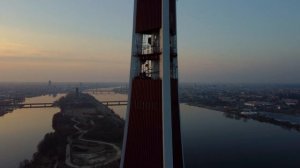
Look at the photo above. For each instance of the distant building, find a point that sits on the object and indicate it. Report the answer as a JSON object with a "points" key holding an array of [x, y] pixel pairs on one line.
{"points": [[49, 83], [291, 102], [77, 91], [6, 101], [226, 99], [257, 103]]}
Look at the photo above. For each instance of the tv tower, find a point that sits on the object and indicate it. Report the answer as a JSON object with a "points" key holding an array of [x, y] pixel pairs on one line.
{"points": [[152, 136]]}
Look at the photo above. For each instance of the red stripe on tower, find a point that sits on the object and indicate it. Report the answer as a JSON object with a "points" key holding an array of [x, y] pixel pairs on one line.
{"points": [[152, 136]]}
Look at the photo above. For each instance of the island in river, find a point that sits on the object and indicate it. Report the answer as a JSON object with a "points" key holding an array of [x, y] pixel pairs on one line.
{"points": [[87, 134]]}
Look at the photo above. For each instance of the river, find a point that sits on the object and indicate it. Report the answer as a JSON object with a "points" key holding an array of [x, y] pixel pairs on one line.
{"points": [[23, 129], [210, 140]]}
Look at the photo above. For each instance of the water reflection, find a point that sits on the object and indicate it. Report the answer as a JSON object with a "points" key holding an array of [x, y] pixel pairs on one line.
{"points": [[211, 139], [22, 130]]}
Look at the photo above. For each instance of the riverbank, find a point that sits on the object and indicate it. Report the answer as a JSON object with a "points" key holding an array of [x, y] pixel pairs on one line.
{"points": [[9, 105], [4, 111], [265, 117], [87, 134], [285, 121]]}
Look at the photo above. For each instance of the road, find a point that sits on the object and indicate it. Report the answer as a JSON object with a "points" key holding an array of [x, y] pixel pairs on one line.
{"points": [[82, 132]]}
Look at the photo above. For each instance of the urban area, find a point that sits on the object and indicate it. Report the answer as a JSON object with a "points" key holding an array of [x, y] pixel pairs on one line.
{"points": [[88, 133], [272, 103]]}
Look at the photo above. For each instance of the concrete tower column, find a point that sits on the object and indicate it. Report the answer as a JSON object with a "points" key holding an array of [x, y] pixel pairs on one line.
{"points": [[152, 136]]}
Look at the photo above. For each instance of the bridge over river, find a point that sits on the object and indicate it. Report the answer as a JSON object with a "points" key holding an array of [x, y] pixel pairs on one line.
{"points": [[49, 105]]}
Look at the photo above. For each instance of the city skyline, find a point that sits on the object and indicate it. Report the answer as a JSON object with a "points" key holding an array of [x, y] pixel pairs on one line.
{"points": [[232, 41]]}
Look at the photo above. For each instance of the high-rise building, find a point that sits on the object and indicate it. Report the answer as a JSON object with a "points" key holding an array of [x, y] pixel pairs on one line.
{"points": [[152, 136]]}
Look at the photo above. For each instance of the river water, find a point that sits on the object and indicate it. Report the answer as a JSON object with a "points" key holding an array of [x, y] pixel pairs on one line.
{"points": [[23, 129], [210, 140]]}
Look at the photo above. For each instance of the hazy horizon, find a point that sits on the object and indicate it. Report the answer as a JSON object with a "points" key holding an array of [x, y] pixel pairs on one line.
{"points": [[234, 41]]}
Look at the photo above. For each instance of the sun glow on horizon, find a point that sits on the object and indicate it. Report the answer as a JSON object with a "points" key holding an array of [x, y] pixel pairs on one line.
{"points": [[217, 41]]}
